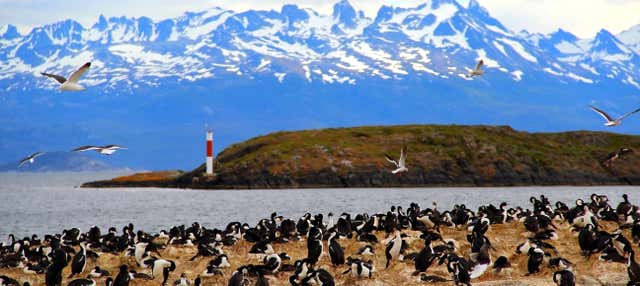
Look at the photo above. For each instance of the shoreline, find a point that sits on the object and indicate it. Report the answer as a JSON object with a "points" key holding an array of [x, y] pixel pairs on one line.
{"points": [[173, 183], [368, 188]]}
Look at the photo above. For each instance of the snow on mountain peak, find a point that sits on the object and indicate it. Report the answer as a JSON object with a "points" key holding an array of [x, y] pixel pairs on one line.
{"points": [[343, 47], [9, 32], [294, 14], [631, 38], [605, 46], [345, 13], [562, 35], [101, 24]]}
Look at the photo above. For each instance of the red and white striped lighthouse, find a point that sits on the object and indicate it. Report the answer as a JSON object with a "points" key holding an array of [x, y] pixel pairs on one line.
{"points": [[209, 152]]}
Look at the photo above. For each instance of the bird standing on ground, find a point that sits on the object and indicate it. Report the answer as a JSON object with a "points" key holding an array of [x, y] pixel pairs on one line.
{"points": [[79, 261], [336, 252], [314, 245], [393, 248], [161, 267], [123, 277], [425, 258], [70, 84]]}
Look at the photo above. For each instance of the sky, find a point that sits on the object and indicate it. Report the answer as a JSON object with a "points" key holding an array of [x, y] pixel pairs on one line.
{"points": [[581, 17]]}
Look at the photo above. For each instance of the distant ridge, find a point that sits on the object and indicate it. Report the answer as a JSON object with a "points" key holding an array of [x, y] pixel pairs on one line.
{"points": [[60, 161]]}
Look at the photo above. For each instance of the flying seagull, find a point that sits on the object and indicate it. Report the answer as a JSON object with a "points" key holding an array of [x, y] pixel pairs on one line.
{"points": [[615, 156], [70, 84], [478, 70], [400, 164], [610, 121], [30, 159], [105, 150]]}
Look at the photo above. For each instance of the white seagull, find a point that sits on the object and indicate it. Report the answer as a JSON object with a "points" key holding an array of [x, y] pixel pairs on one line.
{"points": [[478, 70], [105, 150], [400, 164], [610, 121], [30, 159], [70, 84]]}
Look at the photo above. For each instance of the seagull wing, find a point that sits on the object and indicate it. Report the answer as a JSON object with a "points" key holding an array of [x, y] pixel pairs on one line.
{"points": [[58, 78], [85, 148], [37, 154], [24, 161], [113, 147], [403, 156], [602, 113], [479, 65], [626, 115], [391, 160], [75, 76]]}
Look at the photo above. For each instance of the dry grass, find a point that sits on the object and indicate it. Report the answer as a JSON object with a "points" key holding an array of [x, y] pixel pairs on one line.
{"points": [[504, 238], [149, 176]]}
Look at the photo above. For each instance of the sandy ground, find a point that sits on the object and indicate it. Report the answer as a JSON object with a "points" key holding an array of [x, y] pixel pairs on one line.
{"points": [[504, 238]]}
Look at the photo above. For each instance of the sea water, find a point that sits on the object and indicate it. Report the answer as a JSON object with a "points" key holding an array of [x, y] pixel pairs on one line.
{"points": [[44, 203]]}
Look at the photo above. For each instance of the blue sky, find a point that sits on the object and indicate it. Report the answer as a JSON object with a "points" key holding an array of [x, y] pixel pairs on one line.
{"points": [[583, 18]]}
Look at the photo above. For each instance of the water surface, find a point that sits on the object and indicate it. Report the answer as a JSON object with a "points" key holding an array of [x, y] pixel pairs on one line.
{"points": [[49, 202]]}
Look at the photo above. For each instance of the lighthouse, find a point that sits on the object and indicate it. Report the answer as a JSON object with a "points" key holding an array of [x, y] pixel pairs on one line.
{"points": [[209, 152]]}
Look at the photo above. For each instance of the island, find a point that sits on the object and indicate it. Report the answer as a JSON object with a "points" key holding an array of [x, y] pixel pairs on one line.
{"points": [[438, 155]]}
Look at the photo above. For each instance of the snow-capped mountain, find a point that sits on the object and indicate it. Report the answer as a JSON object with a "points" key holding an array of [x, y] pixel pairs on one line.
{"points": [[252, 72], [437, 39], [631, 38]]}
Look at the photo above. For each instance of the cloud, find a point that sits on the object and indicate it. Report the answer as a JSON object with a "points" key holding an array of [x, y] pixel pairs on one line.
{"points": [[584, 18]]}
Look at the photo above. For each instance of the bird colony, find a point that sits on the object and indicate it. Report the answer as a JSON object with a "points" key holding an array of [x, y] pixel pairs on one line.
{"points": [[585, 242]]}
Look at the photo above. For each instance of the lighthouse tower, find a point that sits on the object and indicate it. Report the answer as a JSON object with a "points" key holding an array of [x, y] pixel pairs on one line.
{"points": [[209, 152]]}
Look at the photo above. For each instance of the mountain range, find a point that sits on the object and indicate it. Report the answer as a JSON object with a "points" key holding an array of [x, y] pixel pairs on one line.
{"points": [[154, 85]]}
